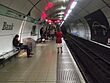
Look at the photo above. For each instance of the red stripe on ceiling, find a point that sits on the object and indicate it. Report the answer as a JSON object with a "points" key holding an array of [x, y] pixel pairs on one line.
{"points": [[47, 7], [44, 15]]}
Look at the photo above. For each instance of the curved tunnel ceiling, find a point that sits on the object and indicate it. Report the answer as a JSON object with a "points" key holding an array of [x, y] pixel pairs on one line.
{"points": [[83, 7], [59, 7], [86, 7]]}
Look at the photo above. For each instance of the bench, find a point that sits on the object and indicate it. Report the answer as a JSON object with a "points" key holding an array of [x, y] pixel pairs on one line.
{"points": [[7, 55]]}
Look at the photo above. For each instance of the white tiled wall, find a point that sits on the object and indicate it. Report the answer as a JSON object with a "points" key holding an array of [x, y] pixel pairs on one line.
{"points": [[6, 36]]}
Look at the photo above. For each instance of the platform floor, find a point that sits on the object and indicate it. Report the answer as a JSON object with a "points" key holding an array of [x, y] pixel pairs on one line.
{"points": [[41, 68]]}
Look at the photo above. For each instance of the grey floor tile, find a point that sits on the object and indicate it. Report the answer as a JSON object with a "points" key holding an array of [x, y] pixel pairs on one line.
{"points": [[32, 70]]}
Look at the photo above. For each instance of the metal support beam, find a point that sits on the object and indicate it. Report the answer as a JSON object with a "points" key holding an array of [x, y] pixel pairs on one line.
{"points": [[28, 14]]}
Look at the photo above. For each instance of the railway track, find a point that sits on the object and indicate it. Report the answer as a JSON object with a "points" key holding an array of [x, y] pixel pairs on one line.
{"points": [[95, 68]]}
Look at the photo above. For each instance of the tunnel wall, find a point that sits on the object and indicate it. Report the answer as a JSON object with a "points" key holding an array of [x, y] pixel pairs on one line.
{"points": [[87, 9], [99, 26], [80, 29], [84, 26]]}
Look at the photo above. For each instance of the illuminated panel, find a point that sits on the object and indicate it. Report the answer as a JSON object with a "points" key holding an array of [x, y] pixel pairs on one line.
{"points": [[44, 15], [61, 12], [68, 7], [49, 5], [49, 21]]}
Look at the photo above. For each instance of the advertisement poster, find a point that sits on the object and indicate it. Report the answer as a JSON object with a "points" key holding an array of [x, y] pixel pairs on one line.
{"points": [[99, 26], [33, 31]]}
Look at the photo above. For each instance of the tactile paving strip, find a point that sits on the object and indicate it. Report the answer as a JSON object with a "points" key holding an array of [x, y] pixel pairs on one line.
{"points": [[66, 72]]}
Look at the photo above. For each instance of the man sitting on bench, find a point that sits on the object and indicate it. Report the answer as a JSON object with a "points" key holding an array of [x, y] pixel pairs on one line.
{"points": [[20, 46]]}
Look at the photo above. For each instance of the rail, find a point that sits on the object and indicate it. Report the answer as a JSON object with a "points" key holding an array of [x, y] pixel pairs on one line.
{"points": [[95, 66]]}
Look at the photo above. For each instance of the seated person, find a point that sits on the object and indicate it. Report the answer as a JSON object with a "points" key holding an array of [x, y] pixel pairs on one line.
{"points": [[28, 42], [19, 45]]}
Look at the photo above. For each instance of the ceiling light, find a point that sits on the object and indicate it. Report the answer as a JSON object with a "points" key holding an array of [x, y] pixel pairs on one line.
{"points": [[50, 23], [61, 12], [69, 11], [62, 7], [61, 23], [66, 16], [73, 5], [64, 0], [60, 16]]}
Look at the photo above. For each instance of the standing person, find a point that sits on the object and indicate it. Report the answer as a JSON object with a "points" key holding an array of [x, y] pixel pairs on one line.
{"points": [[41, 33], [59, 40], [19, 45], [52, 32]]}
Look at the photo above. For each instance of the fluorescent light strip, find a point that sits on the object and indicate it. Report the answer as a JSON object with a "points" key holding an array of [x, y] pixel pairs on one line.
{"points": [[62, 7], [73, 5], [60, 16], [61, 13], [61, 23], [70, 10], [66, 16]]}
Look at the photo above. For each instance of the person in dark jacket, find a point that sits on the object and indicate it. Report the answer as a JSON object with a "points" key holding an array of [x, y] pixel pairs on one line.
{"points": [[16, 42], [18, 45], [41, 33]]}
